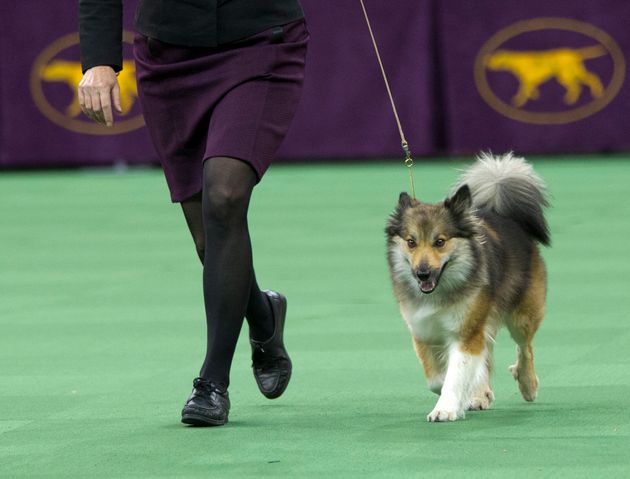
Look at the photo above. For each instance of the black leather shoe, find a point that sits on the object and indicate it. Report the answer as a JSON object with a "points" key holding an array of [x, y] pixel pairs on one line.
{"points": [[270, 360], [208, 405]]}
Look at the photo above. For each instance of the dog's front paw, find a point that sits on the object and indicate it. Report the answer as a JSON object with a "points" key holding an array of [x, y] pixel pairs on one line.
{"points": [[442, 415]]}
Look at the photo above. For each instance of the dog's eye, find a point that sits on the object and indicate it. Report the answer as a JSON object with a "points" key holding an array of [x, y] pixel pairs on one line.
{"points": [[439, 242], [411, 243]]}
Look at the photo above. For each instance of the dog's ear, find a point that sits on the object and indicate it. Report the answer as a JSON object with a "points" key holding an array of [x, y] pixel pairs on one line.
{"points": [[461, 202], [394, 223], [404, 200]]}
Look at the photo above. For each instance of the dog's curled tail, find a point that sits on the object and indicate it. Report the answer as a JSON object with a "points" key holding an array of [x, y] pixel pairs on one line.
{"points": [[509, 186]]}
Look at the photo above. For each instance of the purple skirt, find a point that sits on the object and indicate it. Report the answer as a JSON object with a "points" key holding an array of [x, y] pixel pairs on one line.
{"points": [[235, 100]]}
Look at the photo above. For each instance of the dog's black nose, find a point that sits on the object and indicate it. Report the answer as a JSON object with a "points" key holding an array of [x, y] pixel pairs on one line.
{"points": [[423, 275]]}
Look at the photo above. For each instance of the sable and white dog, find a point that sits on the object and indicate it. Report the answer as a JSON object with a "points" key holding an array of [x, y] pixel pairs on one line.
{"points": [[463, 267]]}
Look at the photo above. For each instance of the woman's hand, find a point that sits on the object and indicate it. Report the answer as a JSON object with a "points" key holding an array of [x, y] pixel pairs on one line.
{"points": [[97, 89]]}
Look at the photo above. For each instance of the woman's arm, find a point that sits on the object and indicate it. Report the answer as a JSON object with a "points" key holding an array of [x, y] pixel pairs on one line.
{"points": [[100, 29]]}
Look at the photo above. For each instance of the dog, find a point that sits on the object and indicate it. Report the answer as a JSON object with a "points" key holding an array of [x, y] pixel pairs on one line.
{"points": [[533, 68], [465, 266]]}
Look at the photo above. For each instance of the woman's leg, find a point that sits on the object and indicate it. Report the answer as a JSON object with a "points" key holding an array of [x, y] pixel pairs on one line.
{"points": [[228, 271], [258, 312], [218, 222]]}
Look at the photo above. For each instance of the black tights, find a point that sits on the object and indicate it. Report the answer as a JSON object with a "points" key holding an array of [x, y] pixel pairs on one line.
{"points": [[217, 219]]}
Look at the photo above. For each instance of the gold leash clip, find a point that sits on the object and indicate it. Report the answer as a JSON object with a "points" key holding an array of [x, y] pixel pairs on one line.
{"points": [[409, 165]]}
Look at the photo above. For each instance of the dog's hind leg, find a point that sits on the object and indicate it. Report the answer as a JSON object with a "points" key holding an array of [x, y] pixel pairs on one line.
{"points": [[573, 87], [523, 324], [593, 82], [522, 328]]}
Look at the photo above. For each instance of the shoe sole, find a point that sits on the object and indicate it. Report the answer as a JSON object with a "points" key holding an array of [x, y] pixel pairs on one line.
{"points": [[196, 420]]}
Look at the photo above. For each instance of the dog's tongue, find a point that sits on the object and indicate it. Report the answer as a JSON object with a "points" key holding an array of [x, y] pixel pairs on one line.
{"points": [[427, 286]]}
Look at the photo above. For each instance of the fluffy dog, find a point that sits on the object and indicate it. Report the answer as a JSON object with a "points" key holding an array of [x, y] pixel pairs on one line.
{"points": [[463, 267]]}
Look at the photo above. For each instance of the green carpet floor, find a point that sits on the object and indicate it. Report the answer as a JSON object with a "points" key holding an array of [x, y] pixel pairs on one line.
{"points": [[102, 330]]}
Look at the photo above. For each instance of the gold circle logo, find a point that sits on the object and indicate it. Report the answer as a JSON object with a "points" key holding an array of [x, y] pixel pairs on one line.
{"points": [[579, 92], [54, 81]]}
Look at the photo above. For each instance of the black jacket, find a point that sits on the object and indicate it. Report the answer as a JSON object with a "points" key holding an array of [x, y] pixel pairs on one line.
{"points": [[206, 23]]}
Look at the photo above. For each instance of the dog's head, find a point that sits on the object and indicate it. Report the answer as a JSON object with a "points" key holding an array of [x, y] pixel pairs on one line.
{"points": [[431, 243], [499, 60]]}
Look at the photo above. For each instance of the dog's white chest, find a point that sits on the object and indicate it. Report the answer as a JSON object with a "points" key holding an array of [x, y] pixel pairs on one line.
{"points": [[431, 323]]}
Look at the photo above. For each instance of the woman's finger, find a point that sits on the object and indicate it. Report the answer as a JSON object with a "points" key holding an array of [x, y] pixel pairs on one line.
{"points": [[106, 106], [87, 102], [96, 106], [81, 98]]}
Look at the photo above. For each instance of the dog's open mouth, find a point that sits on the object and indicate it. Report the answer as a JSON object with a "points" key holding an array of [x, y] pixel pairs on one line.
{"points": [[429, 285]]}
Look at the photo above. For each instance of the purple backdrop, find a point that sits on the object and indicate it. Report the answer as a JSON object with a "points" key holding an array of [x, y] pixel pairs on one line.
{"points": [[344, 111], [455, 69], [516, 44]]}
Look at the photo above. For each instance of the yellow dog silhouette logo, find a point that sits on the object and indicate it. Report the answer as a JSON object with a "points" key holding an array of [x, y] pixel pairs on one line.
{"points": [[569, 67], [566, 65], [48, 69]]}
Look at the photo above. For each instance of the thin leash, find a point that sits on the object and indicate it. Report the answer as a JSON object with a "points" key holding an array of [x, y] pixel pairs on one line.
{"points": [[403, 140]]}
